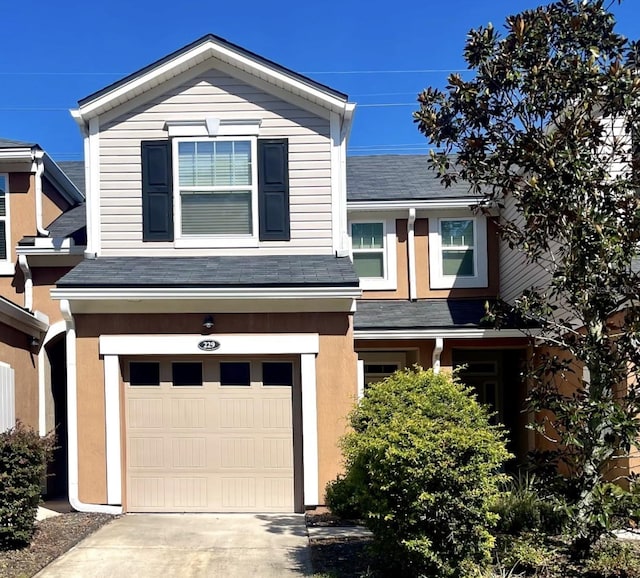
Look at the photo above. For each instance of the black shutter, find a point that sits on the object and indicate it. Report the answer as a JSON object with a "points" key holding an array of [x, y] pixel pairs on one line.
{"points": [[273, 189], [157, 194]]}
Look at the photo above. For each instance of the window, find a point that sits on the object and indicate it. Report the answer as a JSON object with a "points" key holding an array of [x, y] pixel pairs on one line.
{"points": [[277, 373], [216, 186], [216, 191], [186, 373], [458, 247], [5, 244], [457, 251], [235, 373], [373, 251], [144, 373]]}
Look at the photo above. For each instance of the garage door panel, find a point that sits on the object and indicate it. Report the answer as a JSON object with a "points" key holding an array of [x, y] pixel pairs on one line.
{"points": [[188, 452], [237, 413], [146, 412], [237, 453], [276, 413], [147, 452], [189, 413], [277, 454]]}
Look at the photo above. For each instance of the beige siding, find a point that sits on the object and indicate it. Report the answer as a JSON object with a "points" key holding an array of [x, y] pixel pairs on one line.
{"points": [[216, 94], [515, 274]]}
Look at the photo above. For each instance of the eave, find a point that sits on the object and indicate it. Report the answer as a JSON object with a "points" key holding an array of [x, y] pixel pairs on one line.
{"points": [[208, 47], [33, 324]]}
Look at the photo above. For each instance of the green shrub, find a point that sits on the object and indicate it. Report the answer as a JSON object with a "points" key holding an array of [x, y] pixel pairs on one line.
{"points": [[526, 505], [613, 559], [422, 466], [342, 500], [23, 458], [527, 552]]}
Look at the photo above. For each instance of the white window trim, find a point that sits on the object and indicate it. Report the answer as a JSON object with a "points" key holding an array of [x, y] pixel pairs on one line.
{"points": [[439, 281], [7, 267], [390, 279], [211, 241]]}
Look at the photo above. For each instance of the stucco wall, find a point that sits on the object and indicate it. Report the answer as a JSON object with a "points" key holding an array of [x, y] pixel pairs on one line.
{"points": [[336, 374]]}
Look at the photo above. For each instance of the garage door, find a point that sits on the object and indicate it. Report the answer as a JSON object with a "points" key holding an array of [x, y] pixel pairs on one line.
{"points": [[209, 436]]}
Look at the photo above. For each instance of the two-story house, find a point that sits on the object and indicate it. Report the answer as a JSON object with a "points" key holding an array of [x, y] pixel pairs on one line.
{"points": [[41, 239], [238, 282]]}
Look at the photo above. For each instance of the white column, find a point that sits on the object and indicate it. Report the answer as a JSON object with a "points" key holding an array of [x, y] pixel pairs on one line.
{"points": [[112, 420], [437, 350], [309, 428]]}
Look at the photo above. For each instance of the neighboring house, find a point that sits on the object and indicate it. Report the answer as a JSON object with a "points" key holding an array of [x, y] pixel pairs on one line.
{"points": [[41, 239], [238, 282], [429, 266]]}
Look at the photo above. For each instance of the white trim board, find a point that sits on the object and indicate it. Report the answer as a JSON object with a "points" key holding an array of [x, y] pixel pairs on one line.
{"points": [[229, 344], [305, 344], [462, 333]]}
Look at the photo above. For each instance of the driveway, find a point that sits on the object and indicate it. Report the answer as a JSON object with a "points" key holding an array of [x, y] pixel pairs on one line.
{"points": [[189, 545]]}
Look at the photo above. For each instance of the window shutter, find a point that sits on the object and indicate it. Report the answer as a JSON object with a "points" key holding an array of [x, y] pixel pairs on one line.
{"points": [[157, 194], [273, 189]]}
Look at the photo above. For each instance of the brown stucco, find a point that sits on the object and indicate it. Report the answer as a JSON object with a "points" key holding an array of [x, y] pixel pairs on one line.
{"points": [[14, 350], [336, 375], [53, 205]]}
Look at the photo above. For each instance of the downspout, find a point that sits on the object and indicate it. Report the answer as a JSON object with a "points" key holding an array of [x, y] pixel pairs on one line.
{"points": [[413, 292], [28, 282], [437, 350], [37, 167], [72, 419]]}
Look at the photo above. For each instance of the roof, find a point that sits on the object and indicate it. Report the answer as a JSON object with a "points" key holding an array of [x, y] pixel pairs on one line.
{"points": [[75, 173], [183, 59], [225, 271], [6, 143], [396, 178], [69, 223], [429, 313]]}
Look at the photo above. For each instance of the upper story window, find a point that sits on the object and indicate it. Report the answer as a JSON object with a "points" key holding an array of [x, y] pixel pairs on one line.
{"points": [[223, 191], [373, 251], [458, 247], [457, 252], [5, 240], [216, 188]]}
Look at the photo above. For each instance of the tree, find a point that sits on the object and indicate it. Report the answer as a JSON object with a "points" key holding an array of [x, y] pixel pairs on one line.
{"points": [[546, 126]]}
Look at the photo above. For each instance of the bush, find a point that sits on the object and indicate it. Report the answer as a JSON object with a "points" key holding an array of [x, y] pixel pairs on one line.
{"points": [[23, 459], [422, 466], [613, 559], [525, 505]]}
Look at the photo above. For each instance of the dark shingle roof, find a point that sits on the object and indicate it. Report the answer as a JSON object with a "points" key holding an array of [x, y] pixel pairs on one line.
{"points": [[71, 223], [254, 271], [75, 173], [6, 143], [430, 313], [397, 178]]}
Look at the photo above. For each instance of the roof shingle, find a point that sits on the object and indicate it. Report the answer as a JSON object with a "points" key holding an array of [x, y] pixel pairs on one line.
{"points": [[225, 271], [396, 178]]}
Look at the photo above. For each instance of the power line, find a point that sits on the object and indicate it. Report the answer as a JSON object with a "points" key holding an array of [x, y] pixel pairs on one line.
{"points": [[94, 73]]}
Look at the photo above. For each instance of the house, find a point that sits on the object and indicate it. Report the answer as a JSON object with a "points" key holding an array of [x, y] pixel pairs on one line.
{"points": [[41, 239], [233, 282]]}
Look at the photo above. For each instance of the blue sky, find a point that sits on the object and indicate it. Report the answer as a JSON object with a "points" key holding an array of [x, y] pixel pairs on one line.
{"points": [[381, 54]]}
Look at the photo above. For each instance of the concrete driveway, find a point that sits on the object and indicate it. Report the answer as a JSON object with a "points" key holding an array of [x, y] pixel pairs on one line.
{"points": [[186, 545]]}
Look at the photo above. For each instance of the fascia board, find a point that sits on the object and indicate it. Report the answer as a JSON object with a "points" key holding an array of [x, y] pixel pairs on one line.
{"points": [[445, 333], [17, 154], [185, 293], [21, 320], [188, 59], [465, 203]]}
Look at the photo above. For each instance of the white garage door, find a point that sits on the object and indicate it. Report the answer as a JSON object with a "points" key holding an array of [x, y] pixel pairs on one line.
{"points": [[209, 435]]}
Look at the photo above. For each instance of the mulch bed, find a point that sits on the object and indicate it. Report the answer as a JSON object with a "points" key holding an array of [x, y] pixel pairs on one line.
{"points": [[53, 537]]}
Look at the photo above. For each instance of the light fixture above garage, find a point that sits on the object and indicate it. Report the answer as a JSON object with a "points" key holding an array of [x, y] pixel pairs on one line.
{"points": [[207, 322]]}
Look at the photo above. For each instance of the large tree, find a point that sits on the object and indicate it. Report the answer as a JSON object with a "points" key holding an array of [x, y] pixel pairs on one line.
{"points": [[545, 125]]}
